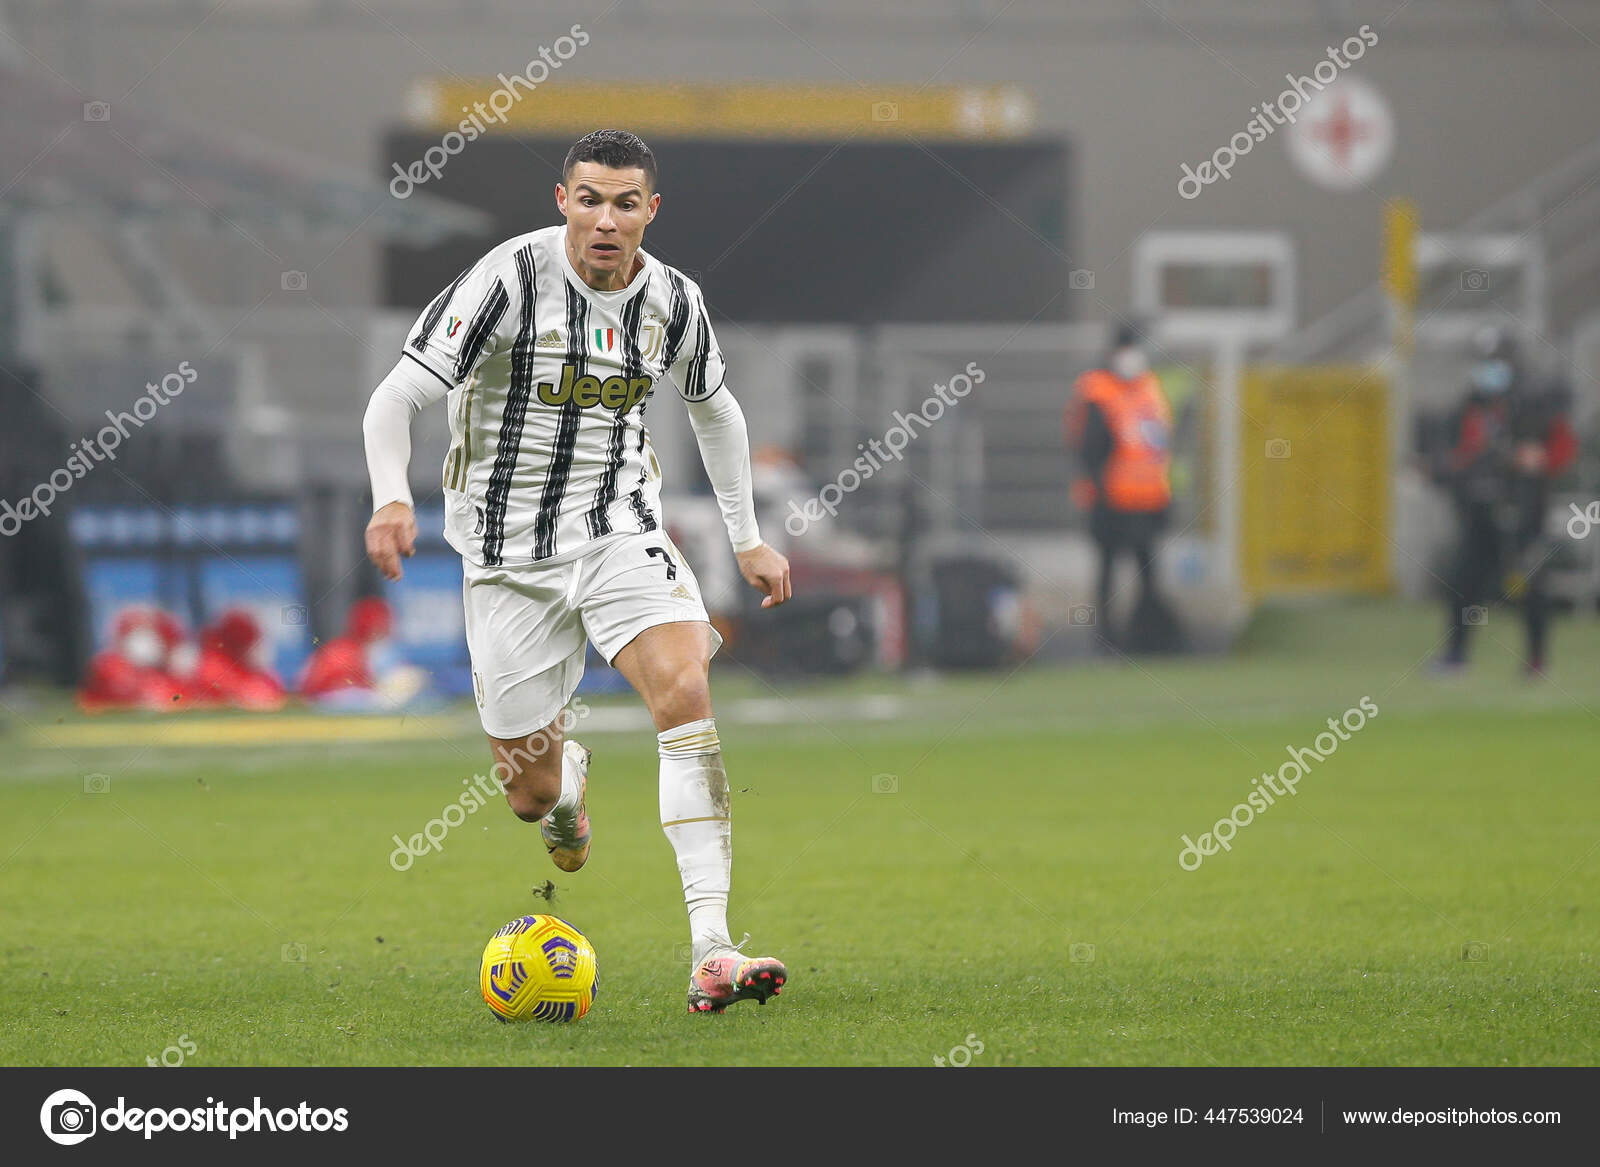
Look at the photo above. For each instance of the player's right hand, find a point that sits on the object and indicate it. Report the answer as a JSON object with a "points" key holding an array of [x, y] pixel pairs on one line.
{"points": [[391, 533], [766, 570]]}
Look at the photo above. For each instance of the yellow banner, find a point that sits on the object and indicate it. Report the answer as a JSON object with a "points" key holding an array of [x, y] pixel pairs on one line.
{"points": [[1314, 472], [791, 112], [251, 730]]}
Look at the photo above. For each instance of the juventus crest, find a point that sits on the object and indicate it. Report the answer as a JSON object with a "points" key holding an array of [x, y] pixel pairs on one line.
{"points": [[652, 334]]}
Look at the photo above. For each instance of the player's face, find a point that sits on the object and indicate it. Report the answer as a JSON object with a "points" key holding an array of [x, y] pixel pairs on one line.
{"points": [[607, 211]]}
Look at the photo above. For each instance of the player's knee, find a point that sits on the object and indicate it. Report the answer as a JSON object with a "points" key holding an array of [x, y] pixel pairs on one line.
{"points": [[685, 697], [530, 804], [530, 773]]}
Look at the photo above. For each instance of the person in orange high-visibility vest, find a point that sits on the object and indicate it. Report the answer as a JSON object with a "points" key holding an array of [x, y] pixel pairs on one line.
{"points": [[1119, 425]]}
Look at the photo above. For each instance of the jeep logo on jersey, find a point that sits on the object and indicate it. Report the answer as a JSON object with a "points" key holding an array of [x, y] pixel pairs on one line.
{"points": [[615, 393]]}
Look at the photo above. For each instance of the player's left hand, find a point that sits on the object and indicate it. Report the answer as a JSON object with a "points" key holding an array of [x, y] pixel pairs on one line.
{"points": [[767, 571]]}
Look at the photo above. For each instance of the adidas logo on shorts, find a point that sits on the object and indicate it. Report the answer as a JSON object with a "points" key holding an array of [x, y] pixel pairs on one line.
{"points": [[681, 593]]}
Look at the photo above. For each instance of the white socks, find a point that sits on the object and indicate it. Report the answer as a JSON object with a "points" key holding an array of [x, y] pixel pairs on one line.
{"points": [[696, 816], [571, 786]]}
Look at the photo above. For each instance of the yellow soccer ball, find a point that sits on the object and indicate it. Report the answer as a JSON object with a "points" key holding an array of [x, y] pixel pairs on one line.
{"points": [[539, 968]]}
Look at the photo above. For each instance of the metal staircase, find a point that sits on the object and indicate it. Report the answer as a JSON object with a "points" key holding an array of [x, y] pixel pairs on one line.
{"points": [[1559, 210]]}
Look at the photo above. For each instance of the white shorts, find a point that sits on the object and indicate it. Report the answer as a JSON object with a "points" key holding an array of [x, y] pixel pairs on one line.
{"points": [[527, 625]]}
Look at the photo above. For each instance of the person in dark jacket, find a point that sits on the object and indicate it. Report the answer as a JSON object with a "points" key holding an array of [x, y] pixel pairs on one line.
{"points": [[1511, 438]]}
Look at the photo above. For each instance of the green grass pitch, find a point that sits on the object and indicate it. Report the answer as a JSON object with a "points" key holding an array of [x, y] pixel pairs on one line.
{"points": [[993, 856]]}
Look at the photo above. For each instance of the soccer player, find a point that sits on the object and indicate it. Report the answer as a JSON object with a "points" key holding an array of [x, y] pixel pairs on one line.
{"points": [[547, 351]]}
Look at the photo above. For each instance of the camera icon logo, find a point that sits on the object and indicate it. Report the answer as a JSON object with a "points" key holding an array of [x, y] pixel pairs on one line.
{"points": [[294, 615], [97, 783], [683, 953], [1475, 614], [292, 953], [884, 784], [1080, 953], [1081, 615], [68, 1117], [885, 111], [1474, 279], [97, 111], [1080, 279], [294, 281], [1278, 448], [1474, 951]]}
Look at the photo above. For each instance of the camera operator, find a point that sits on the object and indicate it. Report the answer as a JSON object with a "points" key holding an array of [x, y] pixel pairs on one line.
{"points": [[1511, 438]]}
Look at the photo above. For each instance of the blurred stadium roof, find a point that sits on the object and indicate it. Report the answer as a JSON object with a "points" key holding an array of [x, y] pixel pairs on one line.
{"points": [[61, 153], [1239, 20]]}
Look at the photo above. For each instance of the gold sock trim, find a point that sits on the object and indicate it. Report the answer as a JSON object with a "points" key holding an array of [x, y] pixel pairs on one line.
{"points": [[710, 818], [684, 742], [690, 747]]}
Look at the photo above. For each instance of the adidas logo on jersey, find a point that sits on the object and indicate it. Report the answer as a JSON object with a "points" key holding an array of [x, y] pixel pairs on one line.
{"points": [[551, 339]]}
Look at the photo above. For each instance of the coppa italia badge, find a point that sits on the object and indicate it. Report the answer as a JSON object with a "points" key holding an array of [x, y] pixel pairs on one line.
{"points": [[605, 339]]}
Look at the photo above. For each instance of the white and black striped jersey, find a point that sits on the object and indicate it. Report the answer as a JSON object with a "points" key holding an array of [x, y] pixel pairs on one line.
{"points": [[548, 381]]}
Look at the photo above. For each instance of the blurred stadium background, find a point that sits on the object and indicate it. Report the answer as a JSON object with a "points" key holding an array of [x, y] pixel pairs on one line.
{"points": [[875, 199], [872, 201]]}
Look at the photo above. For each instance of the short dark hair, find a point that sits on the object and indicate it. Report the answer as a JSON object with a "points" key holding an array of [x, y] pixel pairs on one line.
{"points": [[617, 149]]}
